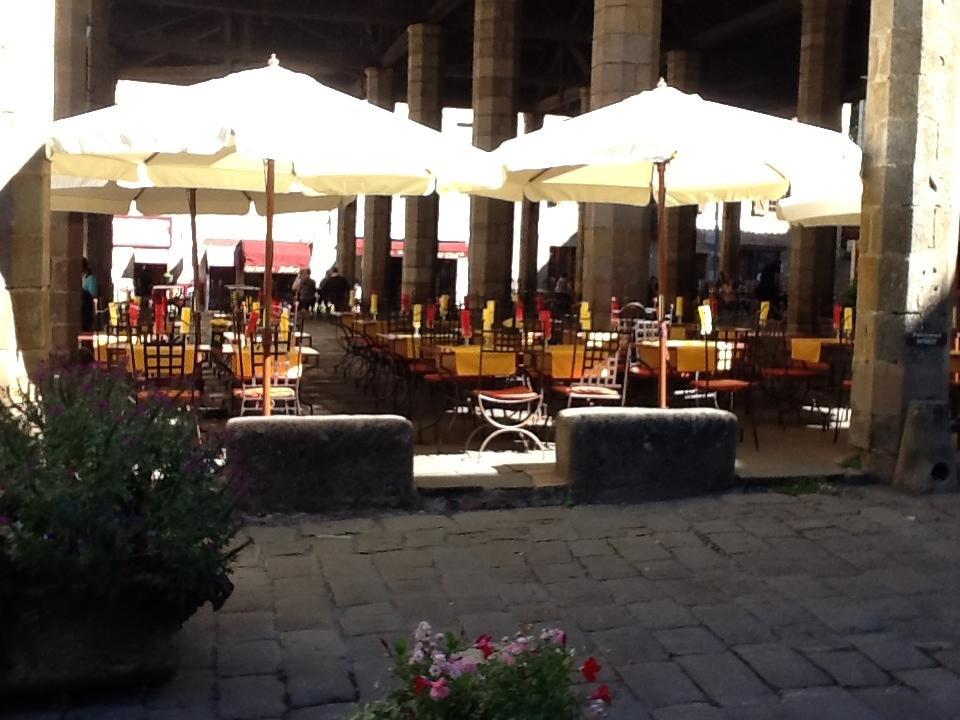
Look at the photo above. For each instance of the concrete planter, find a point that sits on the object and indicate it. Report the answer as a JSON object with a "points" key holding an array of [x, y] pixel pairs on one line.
{"points": [[641, 454], [53, 643]]}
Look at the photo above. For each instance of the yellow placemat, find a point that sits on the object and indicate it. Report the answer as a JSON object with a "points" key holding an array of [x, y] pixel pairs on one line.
{"points": [[560, 362]]}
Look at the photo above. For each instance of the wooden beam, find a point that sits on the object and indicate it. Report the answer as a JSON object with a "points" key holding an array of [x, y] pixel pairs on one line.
{"points": [[355, 12], [766, 15], [398, 49], [329, 61], [558, 101]]}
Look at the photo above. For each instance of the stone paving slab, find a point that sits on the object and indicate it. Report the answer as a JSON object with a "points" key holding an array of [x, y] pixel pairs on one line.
{"points": [[697, 609]]}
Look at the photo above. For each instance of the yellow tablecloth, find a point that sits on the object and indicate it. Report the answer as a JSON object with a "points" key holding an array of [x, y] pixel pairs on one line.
{"points": [[559, 362], [955, 361], [464, 360], [685, 356], [289, 365], [807, 349]]}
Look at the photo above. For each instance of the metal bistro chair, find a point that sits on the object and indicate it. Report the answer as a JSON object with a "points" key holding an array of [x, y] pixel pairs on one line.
{"points": [[599, 382], [165, 368], [513, 403], [728, 372], [638, 330], [250, 363]]}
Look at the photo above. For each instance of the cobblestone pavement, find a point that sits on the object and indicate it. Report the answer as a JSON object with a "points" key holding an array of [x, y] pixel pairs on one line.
{"points": [[743, 606]]}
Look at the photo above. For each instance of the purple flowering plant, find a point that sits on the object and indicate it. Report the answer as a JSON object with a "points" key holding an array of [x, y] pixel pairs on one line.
{"points": [[447, 677], [109, 496]]}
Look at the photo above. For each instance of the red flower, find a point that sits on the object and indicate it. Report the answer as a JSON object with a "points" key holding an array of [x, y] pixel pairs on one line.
{"points": [[590, 669], [602, 693], [484, 645], [420, 683]]}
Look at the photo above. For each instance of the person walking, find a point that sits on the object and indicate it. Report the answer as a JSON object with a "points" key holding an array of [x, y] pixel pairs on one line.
{"points": [[89, 291], [334, 289], [307, 292]]}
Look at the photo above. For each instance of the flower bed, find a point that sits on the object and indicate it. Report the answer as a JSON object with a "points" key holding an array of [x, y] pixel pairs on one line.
{"points": [[528, 677]]}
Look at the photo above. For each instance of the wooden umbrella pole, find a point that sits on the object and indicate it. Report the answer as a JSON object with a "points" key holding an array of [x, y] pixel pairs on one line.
{"points": [[661, 270], [268, 290], [197, 305]]}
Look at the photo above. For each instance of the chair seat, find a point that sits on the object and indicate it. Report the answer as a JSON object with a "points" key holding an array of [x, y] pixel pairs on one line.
{"points": [[598, 391], [722, 385], [789, 372], [519, 393], [642, 371], [422, 367], [277, 392], [169, 393]]}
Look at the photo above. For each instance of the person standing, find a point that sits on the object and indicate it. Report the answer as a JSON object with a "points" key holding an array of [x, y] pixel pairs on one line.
{"points": [[307, 292], [89, 291]]}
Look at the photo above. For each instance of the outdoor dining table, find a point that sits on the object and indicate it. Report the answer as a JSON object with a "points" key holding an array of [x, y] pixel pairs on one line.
{"points": [[685, 356], [464, 361], [808, 349], [559, 362], [406, 345]]}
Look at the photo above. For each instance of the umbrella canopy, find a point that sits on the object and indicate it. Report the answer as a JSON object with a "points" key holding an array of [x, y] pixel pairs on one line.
{"points": [[716, 153], [70, 194], [217, 134], [828, 205]]}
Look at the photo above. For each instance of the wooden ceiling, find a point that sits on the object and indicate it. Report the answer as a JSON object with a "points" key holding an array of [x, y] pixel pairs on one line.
{"points": [[751, 48]]}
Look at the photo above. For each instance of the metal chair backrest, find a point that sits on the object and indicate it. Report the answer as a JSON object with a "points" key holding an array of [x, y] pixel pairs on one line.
{"points": [[164, 360], [601, 358]]}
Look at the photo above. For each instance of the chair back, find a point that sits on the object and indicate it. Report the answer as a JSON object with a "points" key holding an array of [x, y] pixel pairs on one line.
{"points": [[496, 347], [601, 358], [162, 360]]}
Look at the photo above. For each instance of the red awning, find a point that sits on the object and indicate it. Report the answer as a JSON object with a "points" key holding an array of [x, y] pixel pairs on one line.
{"points": [[445, 251], [288, 257]]}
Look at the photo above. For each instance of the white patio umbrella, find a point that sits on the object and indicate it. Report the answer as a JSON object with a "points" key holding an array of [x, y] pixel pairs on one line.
{"points": [[269, 131], [686, 150], [829, 205]]}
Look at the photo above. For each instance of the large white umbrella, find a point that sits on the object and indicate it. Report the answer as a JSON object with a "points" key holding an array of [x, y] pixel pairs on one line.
{"points": [[829, 205], [269, 131], [678, 147]]}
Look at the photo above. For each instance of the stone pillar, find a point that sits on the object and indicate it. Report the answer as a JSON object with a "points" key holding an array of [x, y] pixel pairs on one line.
{"points": [[25, 259], [908, 235], [495, 56], [347, 241], [730, 241], [626, 60], [813, 250], [529, 230], [680, 278], [424, 98], [84, 80], [376, 225]]}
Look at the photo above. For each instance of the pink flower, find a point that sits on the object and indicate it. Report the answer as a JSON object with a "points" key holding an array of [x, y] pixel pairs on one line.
{"points": [[508, 658], [554, 635], [439, 689], [422, 633]]}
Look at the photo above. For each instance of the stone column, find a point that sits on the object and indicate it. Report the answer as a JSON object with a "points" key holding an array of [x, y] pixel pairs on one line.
{"points": [[813, 250], [908, 239], [25, 259], [625, 60], [730, 241], [376, 225], [529, 230], [424, 98], [680, 278], [347, 241], [84, 80], [495, 56]]}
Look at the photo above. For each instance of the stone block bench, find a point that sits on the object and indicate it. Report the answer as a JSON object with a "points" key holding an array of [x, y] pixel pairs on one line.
{"points": [[641, 454], [321, 464]]}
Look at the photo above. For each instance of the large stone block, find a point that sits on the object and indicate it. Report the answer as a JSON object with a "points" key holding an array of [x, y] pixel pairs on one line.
{"points": [[927, 459], [321, 464], [631, 454]]}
